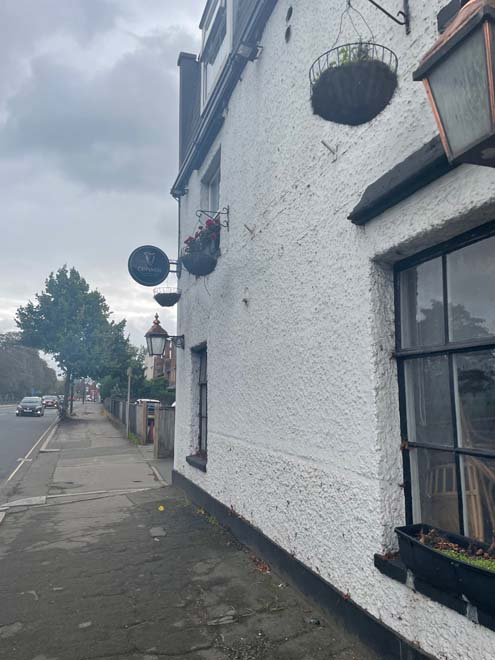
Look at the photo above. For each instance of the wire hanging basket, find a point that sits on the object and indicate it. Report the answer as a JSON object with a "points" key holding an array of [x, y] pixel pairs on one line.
{"points": [[167, 296], [353, 83]]}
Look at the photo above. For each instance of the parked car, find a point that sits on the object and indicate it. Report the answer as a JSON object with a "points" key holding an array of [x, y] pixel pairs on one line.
{"points": [[50, 401], [30, 405], [150, 403]]}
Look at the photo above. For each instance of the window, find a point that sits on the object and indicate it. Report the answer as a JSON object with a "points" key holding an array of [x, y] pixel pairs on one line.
{"points": [[214, 192], [203, 402], [445, 313], [210, 193], [215, 46]]}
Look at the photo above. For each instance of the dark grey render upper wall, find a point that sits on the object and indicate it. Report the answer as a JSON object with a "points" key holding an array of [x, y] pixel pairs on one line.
{"points": [[189, 101], [243, 11], [198, 130]]}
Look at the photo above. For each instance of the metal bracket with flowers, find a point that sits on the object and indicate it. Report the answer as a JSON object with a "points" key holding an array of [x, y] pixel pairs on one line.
{"points": [[201, 251]]}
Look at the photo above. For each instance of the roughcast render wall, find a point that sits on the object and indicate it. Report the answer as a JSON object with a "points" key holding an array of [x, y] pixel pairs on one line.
{"points": [[303, 429]]}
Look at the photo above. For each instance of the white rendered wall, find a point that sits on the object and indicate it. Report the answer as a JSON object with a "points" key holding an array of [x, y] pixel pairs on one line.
{"points": [[303, 428]]}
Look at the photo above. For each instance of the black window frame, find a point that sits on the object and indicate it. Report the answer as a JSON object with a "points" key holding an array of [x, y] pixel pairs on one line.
{"points": [[202, 356], [448, 349]]}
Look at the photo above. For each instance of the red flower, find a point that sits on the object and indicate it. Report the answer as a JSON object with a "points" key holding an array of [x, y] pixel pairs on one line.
{"points": [[189, 239]]}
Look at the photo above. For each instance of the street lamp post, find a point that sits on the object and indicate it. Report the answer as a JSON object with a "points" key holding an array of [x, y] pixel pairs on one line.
{"points": [[459, 76], [129, 377]]}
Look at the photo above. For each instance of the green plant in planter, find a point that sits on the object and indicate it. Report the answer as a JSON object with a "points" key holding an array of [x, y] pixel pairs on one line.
{"points": [[206, 238], [200, 253], [353, 83]]}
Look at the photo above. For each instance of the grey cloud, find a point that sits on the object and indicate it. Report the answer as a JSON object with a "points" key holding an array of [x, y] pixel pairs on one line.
{"points": [[115, 130], [87, 154], [24, 24]]}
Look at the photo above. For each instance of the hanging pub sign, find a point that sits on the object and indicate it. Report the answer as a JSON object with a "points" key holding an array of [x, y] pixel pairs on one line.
{"points": [[148, 265]]}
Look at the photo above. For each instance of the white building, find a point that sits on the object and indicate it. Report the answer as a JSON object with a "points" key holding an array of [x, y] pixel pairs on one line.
{"points": [[289, 410]]}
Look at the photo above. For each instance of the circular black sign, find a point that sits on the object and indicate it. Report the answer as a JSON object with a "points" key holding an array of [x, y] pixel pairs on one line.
{"points": [[148, 265]]}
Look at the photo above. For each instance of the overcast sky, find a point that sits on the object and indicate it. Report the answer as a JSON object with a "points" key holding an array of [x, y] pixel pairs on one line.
{"points": [[88, 144]]}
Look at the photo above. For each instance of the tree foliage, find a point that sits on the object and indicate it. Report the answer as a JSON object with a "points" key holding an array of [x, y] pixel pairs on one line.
{"points": [[141, 388], [22, 371], [72, 323]]}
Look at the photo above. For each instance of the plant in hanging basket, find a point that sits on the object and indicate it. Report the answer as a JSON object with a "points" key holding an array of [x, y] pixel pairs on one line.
{"points": [[200, 253], [352, 84], [166, 296]]}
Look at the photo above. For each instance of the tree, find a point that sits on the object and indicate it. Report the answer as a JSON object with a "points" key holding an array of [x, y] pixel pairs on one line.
{"points": [[115, 383], [22, 371], [71, 322]]}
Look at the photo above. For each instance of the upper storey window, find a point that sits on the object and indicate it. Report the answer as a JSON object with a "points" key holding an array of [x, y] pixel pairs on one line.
{"points": [[216, 44]]}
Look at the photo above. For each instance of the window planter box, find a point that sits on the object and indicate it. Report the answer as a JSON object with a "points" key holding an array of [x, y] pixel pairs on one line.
{"points": [[446, 573]]}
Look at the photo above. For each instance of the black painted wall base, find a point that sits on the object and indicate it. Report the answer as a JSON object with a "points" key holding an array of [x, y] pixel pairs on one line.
{"points": [[382, 639]]}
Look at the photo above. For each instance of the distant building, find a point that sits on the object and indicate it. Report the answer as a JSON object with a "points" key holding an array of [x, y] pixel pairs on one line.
{"points": [[162, 367]]}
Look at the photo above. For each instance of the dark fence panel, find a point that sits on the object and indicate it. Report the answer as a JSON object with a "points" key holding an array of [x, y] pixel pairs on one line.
{"points": [[132, 419]]}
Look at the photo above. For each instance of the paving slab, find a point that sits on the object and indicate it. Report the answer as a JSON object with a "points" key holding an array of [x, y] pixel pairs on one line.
{"points": [[144, 576], [106, 579], [103, 476]]}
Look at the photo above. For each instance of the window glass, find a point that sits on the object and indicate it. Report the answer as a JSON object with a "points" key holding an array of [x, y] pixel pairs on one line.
{"points": [[218, 34], [203, 367], [439, 378], [429, 413], [479, 497], [471, 286], [475, 394], [422, 311], [214, 192], [434, 485], [459, 84]]}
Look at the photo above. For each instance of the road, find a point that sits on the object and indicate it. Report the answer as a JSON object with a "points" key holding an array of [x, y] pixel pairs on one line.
{"points": [[18, 435]]}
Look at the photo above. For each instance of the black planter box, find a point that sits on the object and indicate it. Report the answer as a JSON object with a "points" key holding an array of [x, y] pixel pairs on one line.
{"points": [[450, 575], [199, 263]]}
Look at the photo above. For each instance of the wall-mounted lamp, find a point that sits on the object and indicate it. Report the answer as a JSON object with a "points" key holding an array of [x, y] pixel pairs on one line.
{"points": [[459, 76], [157, 337]]}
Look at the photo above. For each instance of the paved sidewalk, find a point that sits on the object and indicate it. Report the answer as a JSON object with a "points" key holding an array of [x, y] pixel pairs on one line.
{"points": [[116, 566]]}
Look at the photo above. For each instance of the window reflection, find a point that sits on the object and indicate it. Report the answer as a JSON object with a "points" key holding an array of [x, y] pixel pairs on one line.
{"points": [[471, 290], [479, 497], [475, 393], [422, 316], [450, 394], [435, 497], [429, 417]]}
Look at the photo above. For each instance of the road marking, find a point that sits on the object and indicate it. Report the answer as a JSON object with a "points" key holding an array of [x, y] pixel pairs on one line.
{"points": [[49, 438], [117, 491], [158, 476], [27, 501], [40, 500], [26, 457]]}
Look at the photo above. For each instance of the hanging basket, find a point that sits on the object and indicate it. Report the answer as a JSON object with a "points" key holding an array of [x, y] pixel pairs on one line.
{"points": [[199, 263], [352, 84], [167, 297]]}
